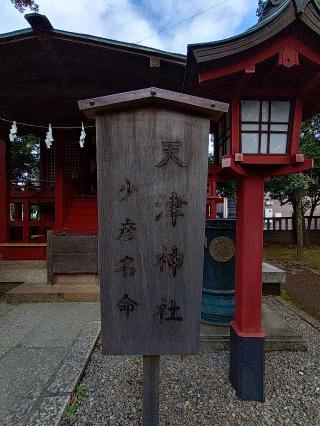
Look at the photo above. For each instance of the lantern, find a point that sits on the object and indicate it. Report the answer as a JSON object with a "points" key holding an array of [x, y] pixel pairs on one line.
{"points": [[265, 126]]}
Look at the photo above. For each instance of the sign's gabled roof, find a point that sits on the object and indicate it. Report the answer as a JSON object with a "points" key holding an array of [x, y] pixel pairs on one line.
{"points": [[152, 95]]}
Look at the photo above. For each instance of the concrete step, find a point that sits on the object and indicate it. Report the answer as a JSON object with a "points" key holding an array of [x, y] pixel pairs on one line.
{"points": [[57, 293], [22, 271], [23, 264], [66, 279]]}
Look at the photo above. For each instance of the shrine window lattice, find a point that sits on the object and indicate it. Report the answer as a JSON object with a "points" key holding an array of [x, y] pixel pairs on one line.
{"points": [[71, 161]]}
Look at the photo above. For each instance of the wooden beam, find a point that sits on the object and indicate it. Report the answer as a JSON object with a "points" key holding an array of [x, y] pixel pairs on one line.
{"points": [[235, 125], [276, 48], [39, 23], [242, 82], [154, 71], [290, 169], [305, 89]]}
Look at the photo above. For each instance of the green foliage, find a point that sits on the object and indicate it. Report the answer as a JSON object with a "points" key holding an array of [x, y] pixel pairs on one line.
{"points": [[25, 156], [302, 190], [310, 147], [305, 185], [227, 189], [81, 390], [22, 5], [72, 411], [287, 188], [224, 189]]}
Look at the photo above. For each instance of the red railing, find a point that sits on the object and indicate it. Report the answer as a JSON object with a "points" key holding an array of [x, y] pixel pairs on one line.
{"points": [[212, 198], [31, 186]]}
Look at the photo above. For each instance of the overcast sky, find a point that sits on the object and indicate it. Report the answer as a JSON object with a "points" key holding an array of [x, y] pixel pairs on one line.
{"points": [[134, 20]]}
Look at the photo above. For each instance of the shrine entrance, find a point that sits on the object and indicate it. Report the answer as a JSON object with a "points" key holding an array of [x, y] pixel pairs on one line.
{"points": [[80, 167], [49, 94]]}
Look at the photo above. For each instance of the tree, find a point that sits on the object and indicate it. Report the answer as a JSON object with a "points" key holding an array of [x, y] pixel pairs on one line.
{"points": [[292, 189], [22, 5], [225, 189], [310, 147], [25, 156], [302, 190]]}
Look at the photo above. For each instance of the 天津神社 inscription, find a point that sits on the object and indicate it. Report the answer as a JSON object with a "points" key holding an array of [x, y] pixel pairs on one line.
{"points": [[152, 148]]}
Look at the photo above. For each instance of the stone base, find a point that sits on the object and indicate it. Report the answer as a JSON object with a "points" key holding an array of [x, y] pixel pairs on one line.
{"points": [[280, 336], [247, 364]]}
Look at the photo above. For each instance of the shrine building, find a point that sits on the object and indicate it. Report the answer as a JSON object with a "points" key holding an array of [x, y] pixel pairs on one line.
{"points": [[270, 76]]}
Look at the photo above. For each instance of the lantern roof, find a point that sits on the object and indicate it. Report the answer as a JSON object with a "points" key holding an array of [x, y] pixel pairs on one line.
{"points": [[272, 21], [282, 48], [273, 6]]}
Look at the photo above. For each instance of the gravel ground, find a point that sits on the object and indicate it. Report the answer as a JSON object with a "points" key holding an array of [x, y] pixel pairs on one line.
{"points": [[195, 390]]}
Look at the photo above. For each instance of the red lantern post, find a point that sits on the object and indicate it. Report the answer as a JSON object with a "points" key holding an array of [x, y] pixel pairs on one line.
{"points": [[265, 76]]}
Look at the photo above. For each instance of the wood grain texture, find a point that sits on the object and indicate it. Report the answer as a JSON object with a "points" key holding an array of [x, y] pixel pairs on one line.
{"points": [[151, 381], [73, 254], [129, 146]]}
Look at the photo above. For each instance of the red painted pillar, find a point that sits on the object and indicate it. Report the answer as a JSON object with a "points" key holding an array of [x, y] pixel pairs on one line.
{"points": [[249, 249], [246, 337], [59, 187], [4, 193], [26, 221]]}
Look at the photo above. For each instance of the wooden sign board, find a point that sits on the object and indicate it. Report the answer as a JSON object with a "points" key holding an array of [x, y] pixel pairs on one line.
{"points": [[152, 159]]}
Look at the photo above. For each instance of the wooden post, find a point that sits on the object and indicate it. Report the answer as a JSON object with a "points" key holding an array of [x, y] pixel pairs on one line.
{"points": [[246, 336], [250, 199], [235, 134], [151, 376], [26, 221], [152, 156], [4, 192], [50, 276], [59, 187]]}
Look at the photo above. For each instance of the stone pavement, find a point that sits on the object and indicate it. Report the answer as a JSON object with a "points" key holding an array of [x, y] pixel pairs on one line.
{"points": [[44, 348]]}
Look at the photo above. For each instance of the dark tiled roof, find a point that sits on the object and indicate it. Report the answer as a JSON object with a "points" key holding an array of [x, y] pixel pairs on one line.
{"points": [[41, 24], [286, 12]]}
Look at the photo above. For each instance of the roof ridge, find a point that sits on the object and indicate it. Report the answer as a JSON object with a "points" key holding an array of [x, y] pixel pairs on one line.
{"points": [[40, 23], [265, 8], [119, 43], [300, 6]]}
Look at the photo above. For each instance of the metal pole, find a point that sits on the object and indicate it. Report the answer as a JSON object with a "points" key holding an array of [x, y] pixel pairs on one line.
{"points": [[151, 374]]}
